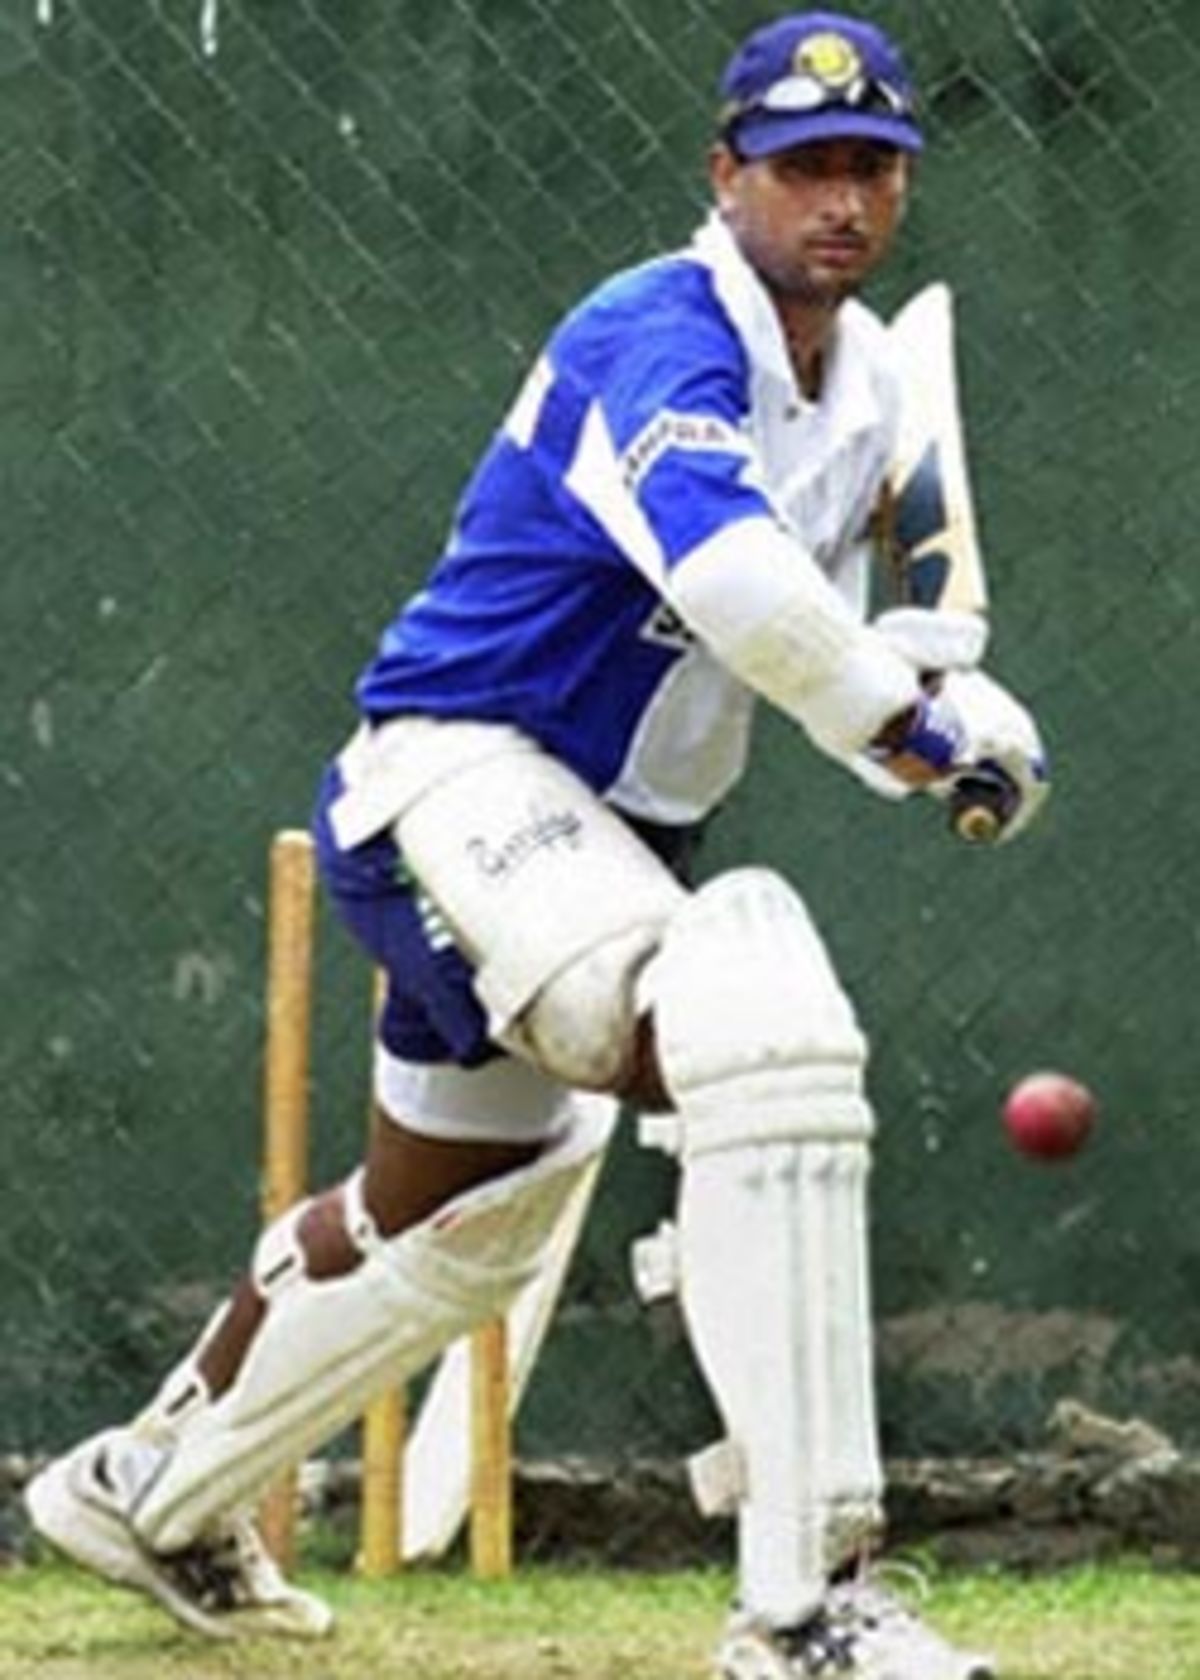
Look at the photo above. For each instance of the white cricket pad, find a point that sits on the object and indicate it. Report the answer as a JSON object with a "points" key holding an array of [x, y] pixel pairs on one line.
{"points": [[436, 1473], [325, 1348], [760, 1049]]}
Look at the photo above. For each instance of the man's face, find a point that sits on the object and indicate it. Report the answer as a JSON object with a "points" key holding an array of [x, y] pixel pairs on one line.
{"points": [[816, 220]]}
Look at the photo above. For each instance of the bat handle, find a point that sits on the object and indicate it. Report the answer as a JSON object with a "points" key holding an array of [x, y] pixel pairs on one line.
{"points": [[981, 804]]}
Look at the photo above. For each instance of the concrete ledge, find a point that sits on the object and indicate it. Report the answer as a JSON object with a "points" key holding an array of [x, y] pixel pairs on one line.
{"points": [[1100, 1488]]}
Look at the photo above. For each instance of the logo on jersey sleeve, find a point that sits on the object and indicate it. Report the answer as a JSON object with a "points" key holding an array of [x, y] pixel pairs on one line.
{"points": [[697, 433], [666, 629]]}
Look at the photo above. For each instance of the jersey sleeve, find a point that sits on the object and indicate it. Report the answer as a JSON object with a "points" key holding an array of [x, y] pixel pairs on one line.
{"points": [[661, 453], [687, 460], [676, 411]]}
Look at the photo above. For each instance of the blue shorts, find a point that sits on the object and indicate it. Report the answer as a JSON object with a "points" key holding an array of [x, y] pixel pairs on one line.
{"points": [[431, 1012]]}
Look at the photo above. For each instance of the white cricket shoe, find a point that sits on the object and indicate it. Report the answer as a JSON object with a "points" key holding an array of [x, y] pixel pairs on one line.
{"points": [[860, 1632], [224, 1585]]}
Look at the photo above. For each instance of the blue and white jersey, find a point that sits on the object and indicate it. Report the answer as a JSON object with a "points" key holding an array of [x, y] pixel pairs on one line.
{"points": [[663, 410]]}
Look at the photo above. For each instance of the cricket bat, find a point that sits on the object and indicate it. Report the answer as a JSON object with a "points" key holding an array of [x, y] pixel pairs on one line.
{"points": [[931, 537], [934, 537]]}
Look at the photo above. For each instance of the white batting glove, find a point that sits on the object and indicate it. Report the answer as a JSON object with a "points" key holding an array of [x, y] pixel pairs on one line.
{"points": [[934, 638], [967, 741], [1001, 741], [919, 750]]}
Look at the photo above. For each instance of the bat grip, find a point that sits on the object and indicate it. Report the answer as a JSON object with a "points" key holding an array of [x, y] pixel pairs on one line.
{"points": [[982, 803]]}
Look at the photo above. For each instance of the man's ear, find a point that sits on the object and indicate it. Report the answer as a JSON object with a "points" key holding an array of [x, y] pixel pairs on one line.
{"points": [[910, 176], [723, 165]]}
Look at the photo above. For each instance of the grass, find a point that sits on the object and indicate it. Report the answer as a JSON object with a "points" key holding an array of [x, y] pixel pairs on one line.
{"points": [[1111, 1622]]}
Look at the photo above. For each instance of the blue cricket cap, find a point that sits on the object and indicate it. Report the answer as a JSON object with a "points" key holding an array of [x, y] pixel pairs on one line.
{"points": [[817, 76]]}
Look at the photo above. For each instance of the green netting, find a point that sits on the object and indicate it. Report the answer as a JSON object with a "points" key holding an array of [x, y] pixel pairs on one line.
{"points": [[270, 270]]}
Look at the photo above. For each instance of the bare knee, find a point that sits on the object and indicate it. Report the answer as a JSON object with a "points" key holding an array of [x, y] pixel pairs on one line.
{"points": [[324, 1240], [407, 1177], [642, 1085], [410, 1175], [326, 1251]]}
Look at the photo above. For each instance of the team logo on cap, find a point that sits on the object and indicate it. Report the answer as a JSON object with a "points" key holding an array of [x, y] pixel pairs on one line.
{"points": [[828, 58]]}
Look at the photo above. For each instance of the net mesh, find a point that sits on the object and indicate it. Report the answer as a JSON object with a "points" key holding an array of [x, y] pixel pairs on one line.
{"points": [[271, 272]]}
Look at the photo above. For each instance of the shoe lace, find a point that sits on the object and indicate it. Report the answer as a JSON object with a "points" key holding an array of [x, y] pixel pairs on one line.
{"points": [[816, 1647], [868, 1603], [884, 1591], [218, 1571], [206, 1575]]}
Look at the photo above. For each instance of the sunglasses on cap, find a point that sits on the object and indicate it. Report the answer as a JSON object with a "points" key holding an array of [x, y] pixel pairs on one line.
{"points": [[804, 94]]}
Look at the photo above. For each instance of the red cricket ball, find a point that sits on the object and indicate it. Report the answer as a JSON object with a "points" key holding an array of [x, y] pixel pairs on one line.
{"points": [[1049, 1115]]}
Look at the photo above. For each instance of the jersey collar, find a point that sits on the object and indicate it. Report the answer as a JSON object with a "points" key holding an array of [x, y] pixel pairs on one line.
{"points": [[849, 391]]}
